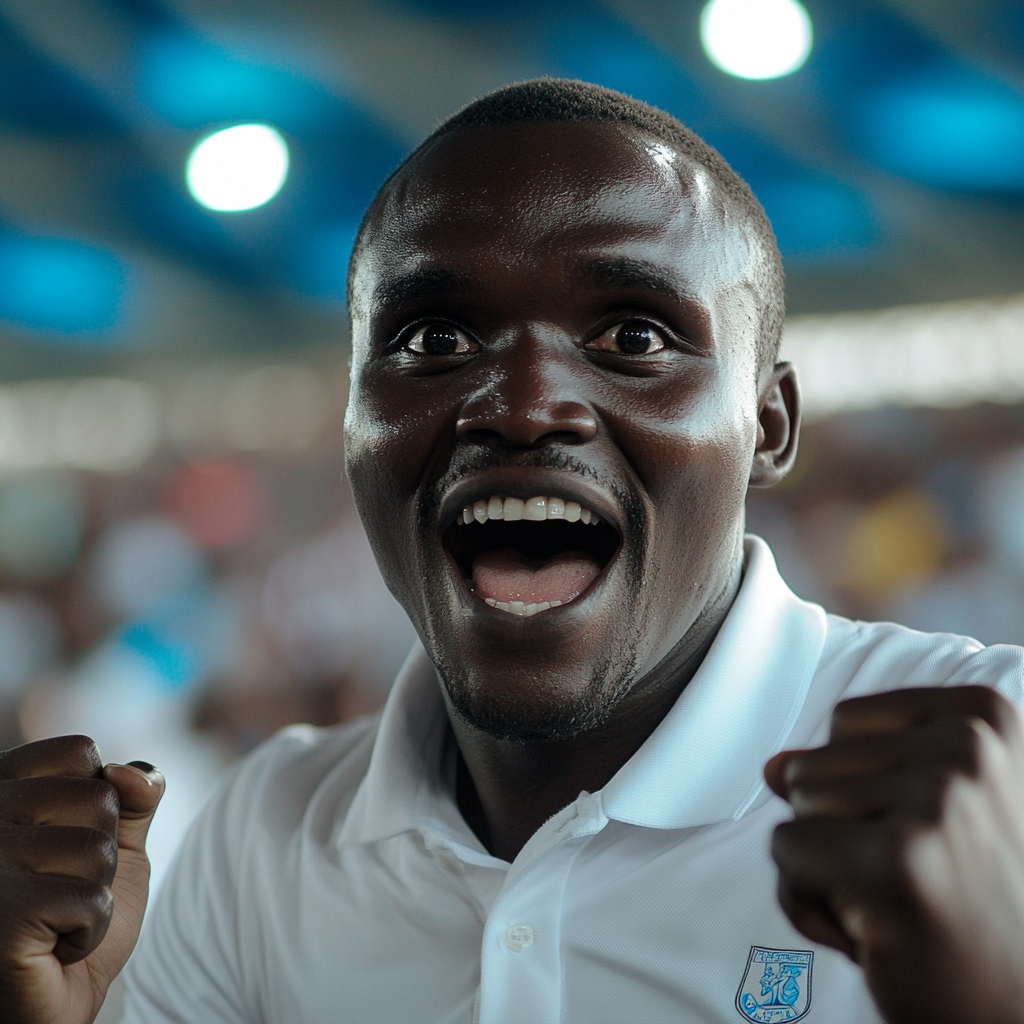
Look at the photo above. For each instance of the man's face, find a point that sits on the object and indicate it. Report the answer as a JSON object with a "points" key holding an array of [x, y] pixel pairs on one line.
{"points": [[559, 312]]}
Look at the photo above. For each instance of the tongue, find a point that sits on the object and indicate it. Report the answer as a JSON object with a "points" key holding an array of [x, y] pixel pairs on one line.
{"points": [[505, 575]]}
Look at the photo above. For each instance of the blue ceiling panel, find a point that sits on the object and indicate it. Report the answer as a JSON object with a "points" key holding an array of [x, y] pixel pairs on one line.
{"points": [[144, 201], [320, 262], [912, 108], [947, 128], [51, 285], [814, 217], [474, 12], [817, 219], [192, 84], [1008, 24], [871, 160], [39, 96], [599, 48], [339, 171]]}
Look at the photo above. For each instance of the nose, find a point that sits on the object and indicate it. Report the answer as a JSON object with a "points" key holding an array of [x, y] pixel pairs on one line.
{"points": [[529, 402]]}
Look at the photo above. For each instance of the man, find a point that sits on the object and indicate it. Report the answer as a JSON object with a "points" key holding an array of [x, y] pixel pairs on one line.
{"points": [[566, 311]]}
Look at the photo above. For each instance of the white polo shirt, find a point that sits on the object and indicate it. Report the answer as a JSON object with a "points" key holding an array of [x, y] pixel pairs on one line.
{"points": [[334, 880]]}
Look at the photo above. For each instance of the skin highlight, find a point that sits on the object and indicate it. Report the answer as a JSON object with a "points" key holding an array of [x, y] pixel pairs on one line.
{"points": [[533, 242]]}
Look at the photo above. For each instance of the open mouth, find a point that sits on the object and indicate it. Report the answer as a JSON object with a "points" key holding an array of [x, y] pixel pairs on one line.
{"points": [[524, 557]]}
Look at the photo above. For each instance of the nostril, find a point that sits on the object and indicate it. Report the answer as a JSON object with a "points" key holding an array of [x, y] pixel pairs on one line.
{"points": [[576, 419], [478, 435], [557, 422]]}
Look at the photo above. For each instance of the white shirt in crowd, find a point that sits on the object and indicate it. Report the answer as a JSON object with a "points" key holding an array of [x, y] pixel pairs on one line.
{"points": [[332, 879]]}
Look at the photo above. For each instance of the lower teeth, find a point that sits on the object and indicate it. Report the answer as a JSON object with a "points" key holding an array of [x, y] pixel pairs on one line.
{"points": [[519, 608]]}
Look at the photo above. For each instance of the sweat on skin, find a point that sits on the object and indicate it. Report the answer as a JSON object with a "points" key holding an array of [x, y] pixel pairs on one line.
{"points": [[566, 236]]}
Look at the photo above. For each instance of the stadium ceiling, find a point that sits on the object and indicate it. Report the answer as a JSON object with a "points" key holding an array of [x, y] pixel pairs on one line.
{"points": [[891, 163]]}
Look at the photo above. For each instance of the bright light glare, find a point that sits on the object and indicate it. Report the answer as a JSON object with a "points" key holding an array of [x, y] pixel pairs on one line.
{"points": [[911, 355], [238, 168], [756, 38]]}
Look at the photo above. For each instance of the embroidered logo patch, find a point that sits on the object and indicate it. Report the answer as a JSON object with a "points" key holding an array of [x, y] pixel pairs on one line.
{"points": [[776, 985]]}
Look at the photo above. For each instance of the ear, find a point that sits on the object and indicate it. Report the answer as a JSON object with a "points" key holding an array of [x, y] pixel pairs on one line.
{"points": [[778, 426]]}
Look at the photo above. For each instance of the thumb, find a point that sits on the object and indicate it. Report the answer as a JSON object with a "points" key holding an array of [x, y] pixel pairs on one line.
{"points": [[140, 787], [775, 772]]}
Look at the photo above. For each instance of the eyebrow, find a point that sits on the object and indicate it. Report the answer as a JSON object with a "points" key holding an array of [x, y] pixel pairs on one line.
{"points": [[433, 282], [622, 272], [421, 284]]}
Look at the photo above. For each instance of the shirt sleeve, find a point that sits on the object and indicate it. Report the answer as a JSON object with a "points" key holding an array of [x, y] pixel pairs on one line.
{"points": [[186, 967], [202, 956], [1000, 666]]}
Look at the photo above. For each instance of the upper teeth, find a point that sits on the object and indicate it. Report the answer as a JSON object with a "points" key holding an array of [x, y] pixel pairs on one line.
{"points": [[536, 509]]}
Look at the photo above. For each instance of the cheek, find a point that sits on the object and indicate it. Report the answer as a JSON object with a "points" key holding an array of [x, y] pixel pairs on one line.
{"points": [[691, 450], [391, 426], [390, 439], [689, 440]]}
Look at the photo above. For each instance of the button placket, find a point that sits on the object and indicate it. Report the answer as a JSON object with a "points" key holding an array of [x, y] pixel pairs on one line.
{"points": [[521, 970], [519, 937]]}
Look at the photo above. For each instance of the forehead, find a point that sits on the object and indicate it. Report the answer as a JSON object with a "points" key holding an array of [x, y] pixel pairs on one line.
{"points": [[546, 192]]}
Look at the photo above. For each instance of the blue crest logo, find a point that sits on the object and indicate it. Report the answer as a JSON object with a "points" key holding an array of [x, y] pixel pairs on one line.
{"points": [[776, 985]]}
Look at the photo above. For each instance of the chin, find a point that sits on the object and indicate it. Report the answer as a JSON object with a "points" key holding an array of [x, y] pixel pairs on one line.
{"points": [[531, 706]]}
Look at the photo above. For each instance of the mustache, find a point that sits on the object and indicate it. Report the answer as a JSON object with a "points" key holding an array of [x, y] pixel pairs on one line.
{"points": [[470, 463], [467, 463]]}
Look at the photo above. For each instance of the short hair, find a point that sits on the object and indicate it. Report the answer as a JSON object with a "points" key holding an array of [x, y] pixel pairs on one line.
{"points": [[569, 101]]}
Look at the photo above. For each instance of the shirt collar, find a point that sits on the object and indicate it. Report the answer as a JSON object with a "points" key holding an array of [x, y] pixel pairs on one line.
{"points": [[700, 765], [405, 787], [703, 762]]}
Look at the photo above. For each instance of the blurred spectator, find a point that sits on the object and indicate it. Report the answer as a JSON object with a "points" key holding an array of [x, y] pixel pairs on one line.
{"points": [[769, 518], [145, 564], [41, 519], [30, 643], [985, 598], [331, 615], [219, 504], [132, 693]]}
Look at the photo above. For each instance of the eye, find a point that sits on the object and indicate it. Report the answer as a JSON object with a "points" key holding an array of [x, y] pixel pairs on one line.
{"points": [[441, 340], [631, 338]]}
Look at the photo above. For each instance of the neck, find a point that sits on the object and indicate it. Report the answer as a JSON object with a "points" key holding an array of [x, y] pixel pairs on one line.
{"points": [[507, 789]]}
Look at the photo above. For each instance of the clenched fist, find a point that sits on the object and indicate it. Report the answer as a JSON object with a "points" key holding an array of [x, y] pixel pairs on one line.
{"points": [[907, 850], [74, 876]]}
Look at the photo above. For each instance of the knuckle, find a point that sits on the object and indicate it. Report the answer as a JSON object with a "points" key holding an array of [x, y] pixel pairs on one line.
{"points": [[18, 800], [956, 744], [845, 710], [57, 755], [784, 840], [797, 768], [928, 792], [850, 716], [982, 697], [98, 902], [967, 745], [101, 850], [94, 909], [989, 704], [85, 750], [813, 797], [105, 800], [888, 855], [848, 705]]}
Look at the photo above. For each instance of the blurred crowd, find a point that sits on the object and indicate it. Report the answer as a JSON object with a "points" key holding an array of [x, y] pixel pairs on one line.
{"points": [[184, 609], [911, 515]]}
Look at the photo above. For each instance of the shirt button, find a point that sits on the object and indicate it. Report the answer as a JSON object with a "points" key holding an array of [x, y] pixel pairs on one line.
{"points": [[519, 937]]}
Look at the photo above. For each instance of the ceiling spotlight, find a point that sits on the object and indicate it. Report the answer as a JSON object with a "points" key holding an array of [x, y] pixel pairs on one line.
{"points": [[756, 38], [238, 168]]}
